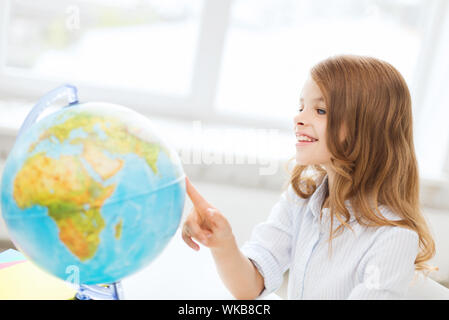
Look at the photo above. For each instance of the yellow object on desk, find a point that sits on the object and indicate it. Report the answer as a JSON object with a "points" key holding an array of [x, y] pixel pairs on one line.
{"points": [[25, 281]]}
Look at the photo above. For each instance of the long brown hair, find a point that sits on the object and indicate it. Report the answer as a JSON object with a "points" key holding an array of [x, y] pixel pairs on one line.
{"points": [[375, 163]]}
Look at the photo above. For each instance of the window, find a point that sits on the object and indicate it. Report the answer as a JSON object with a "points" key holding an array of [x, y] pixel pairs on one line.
{"points": [[147, 45], [225, 61], [432, 97], [271, 44]]}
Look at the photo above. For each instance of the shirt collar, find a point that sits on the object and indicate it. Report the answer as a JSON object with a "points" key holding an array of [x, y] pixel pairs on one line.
{"points": [[317, 198]]}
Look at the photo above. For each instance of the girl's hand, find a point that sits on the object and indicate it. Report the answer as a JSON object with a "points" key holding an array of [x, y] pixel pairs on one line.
{"points": [[205, 223]]}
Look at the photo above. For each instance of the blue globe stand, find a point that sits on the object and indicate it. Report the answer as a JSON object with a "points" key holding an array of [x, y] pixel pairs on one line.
{"points": [[112, 291], [69, 91]]}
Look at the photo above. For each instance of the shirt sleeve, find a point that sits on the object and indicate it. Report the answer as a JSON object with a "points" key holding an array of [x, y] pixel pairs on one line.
{"points": [[269, 247], [387, 269]]}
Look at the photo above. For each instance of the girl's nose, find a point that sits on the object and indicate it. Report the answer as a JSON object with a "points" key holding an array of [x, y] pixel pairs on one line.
{"points": [[298, 121]]}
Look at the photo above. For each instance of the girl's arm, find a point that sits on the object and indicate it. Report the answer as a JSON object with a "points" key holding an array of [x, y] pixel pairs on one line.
{"points": [[237, 272], [208, 226]]}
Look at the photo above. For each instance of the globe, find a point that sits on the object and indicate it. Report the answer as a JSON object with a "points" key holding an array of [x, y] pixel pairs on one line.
{"points": [[92, 192]]}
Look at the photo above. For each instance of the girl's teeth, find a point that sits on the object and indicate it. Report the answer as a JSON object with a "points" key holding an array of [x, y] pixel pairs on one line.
{"points": [[305, 139]]}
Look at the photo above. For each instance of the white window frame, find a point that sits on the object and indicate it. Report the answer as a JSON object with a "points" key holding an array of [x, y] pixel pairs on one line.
{"points": [[196, 105], [200, 103], [438, 13]]}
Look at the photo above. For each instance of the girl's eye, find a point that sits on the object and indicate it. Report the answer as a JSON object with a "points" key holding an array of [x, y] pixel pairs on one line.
{"points": [[321, 111]]}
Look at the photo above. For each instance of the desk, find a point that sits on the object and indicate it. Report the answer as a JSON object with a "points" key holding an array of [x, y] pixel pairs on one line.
{"points": [[179, 272]]}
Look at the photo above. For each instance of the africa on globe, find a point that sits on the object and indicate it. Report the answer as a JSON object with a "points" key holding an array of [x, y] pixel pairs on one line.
{"points": [[92, 186]]}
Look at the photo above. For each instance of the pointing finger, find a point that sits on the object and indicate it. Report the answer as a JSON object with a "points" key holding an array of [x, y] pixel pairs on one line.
{"points": [[197, 199]]}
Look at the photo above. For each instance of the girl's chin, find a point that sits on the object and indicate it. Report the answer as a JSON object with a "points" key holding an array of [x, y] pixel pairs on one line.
{"points": [[304, 162], [307, 162]]}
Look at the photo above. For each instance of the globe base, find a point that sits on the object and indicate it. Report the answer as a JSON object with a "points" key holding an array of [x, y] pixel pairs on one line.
{"points": [[112, 291]]}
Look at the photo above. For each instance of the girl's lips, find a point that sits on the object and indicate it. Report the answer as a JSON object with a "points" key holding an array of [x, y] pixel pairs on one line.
{"points": [[304, 143]]}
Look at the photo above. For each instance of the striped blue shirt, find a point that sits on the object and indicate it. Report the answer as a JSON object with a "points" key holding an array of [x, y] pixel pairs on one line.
{"points": [[369, 263]]}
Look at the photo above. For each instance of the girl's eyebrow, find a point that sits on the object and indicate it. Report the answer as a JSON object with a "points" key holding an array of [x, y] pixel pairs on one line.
{"points": [[316, 100]]}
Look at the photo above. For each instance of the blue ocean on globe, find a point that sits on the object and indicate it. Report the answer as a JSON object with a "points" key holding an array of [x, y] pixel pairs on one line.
{"points": [[92, 192]]}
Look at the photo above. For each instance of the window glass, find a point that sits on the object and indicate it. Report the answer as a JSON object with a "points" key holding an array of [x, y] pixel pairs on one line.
{"points": [[145, 44], [272, 44]]}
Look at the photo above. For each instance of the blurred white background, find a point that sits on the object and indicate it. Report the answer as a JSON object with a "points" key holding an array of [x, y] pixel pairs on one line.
{"points": [[222, 78]]}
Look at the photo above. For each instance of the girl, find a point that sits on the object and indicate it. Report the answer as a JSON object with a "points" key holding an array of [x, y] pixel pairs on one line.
{"points": [[349, 225]]}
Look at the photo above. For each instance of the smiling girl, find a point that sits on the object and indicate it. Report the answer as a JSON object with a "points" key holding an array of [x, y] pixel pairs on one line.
{"points": [[349, 225]]}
